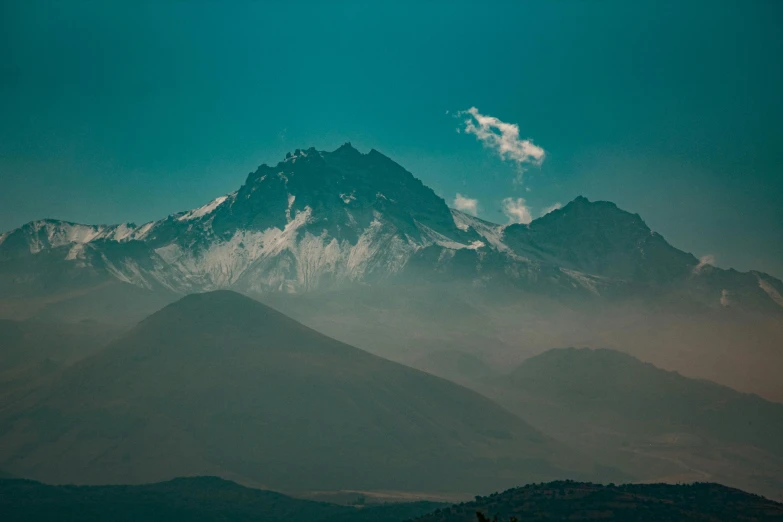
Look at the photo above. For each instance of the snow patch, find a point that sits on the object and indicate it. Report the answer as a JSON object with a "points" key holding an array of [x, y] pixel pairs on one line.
{"points": [[53, 234], [704, 261], [492, 233], [291, 199], [223, 262], [439, 239], [75, 252], [203, 211], [128, 272], [771, 291], [583, 279], [143, 231]]}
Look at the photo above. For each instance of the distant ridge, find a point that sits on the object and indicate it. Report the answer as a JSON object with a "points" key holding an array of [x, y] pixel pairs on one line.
{"points": [[652, 423]]}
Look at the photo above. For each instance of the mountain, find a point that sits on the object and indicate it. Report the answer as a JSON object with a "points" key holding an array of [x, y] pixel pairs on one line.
{"points": [[313, 219], [220, 384], [320, 232], [655, 424], [320, 219], [193, 499], [33, 350], [568, 500], [456, 366]]}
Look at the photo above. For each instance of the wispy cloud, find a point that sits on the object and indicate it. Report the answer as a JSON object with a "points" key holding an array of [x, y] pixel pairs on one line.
{"points": [[709, 259], [516, 210], [551, 208], [465, 204], [503, 138]]}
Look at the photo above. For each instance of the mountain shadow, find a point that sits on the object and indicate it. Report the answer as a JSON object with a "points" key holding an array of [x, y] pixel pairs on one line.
{"points": [[220, 384]]}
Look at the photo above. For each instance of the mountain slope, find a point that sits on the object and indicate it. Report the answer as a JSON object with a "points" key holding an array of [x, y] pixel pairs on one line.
{"points": [[33, 350], [321, 231], [319, 220], [619, 252], [653, 423], [220, 384]]}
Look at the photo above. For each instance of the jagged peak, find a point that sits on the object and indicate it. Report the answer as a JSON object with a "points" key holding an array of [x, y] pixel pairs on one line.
{"points": [[301, 153], [582, 201], [346, 149], [581, 205]]}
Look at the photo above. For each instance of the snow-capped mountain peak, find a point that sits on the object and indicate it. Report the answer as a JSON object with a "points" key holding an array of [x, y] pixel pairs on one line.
{"points": [[318, 219]]}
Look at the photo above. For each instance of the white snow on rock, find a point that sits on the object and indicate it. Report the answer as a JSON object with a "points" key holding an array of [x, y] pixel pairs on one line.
{"points": [[491, 232], [584, 280], [347, 198], [142, 232], [75, 252], [307, 249], [291, 199], [205, 210], [770, 290]]}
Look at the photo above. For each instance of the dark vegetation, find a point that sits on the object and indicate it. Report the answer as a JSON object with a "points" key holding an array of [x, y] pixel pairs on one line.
{"points": [[567, 500], [197, 499], [207, 499]]}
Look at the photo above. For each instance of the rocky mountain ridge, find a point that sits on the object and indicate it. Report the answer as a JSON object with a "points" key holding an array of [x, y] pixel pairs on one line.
{"points": [[322, 219]]}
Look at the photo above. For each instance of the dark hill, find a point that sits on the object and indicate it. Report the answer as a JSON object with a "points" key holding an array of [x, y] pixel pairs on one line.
{"points": [[220, 384], [196, 499], [622, 389], [567, 500]]}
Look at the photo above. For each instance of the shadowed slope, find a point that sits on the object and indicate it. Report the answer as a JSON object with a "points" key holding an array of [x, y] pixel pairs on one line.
{"points": [[653, 423], [218, 383]]}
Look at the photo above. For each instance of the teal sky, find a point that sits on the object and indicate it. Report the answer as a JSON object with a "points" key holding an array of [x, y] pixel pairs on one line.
{"points": [[131, 111]]}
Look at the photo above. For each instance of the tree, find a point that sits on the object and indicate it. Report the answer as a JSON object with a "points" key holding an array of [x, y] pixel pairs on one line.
{"points": [[482, 518]]}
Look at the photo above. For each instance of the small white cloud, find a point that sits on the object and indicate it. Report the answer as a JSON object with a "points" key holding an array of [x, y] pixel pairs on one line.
{"points": [[465, 204], [709, 259], [550, 208], [516, 210], [504, 139]]}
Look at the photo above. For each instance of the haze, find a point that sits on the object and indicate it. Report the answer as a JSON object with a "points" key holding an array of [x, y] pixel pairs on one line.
{"points": [[334, 262]]}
